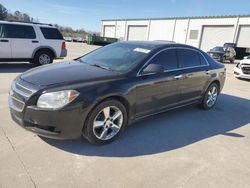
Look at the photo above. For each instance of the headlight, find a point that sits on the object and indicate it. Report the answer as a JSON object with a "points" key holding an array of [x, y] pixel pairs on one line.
{"points": [[55, 100]]}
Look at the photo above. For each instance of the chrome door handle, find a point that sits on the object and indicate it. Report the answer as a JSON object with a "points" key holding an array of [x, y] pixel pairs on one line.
{"points": [[178, 76]]}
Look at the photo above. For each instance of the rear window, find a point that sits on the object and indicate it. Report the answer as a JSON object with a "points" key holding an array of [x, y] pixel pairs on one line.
{"points": [[188, 58], [51, 33], [17, 31]]}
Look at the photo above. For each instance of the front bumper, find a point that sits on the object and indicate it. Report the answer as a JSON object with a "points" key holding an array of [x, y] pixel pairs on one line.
{"points": [[65, 123], [216, 57], [238, 73], [60, 124]]}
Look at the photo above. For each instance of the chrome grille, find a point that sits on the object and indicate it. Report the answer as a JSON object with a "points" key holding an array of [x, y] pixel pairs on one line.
{"points": [[21, 90], [246, 69], [18, 95], [16, 104]]}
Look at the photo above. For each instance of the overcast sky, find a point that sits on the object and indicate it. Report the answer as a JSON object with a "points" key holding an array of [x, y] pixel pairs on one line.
{"points": [[88, 14]]}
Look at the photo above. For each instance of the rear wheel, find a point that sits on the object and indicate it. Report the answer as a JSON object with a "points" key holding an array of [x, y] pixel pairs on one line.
{"points": [[43, 57], [210, 97], [105, 122]]}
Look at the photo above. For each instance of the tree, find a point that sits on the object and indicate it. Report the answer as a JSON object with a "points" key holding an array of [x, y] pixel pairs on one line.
{"points": [[3, 12]]}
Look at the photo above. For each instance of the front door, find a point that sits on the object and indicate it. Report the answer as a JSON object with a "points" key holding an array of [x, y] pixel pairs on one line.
{"points": [[156, 92], [5, 43]]}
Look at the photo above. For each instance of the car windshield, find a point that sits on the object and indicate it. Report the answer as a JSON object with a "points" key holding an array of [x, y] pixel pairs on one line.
{"points": [[117, 57], [218, 49]]}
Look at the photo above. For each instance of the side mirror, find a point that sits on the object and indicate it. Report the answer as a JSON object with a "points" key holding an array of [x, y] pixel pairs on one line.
{"points": [[153, 68]]}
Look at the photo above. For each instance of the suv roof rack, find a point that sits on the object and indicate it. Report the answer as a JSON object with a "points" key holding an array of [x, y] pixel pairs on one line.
{"points": [[19, 21]]}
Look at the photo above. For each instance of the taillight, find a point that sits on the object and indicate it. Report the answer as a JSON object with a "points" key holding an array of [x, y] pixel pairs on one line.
{"points": [[63, 45]]}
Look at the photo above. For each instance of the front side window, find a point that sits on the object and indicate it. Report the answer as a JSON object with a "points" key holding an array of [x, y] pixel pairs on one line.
{"points": [[167, 59], [51, 33], [188, 58], [21, 32]]}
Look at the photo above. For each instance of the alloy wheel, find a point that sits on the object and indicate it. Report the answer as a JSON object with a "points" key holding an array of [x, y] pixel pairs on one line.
{"points": [[108, 123], [212, 96], [44, 59]]}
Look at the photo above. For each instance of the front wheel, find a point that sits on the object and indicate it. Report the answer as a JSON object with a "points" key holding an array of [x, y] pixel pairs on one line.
{"points": [[105, 122], [210, 97]]}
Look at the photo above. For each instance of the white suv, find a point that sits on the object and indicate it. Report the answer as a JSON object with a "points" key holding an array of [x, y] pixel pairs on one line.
{"points": [[34, 42]]}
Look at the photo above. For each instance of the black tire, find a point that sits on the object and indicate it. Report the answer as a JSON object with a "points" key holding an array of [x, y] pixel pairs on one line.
{"points": [[43, 53], [232, 60], [204, 104], [88, 130]]}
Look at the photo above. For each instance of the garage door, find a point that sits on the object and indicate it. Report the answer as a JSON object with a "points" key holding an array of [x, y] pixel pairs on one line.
{"points": [[244, 37], [137, 33], [216, 36], [109, 31]]}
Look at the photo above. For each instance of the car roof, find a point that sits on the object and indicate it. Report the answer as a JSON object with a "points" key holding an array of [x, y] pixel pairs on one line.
{"points": [[27, 23], [158, 44]]}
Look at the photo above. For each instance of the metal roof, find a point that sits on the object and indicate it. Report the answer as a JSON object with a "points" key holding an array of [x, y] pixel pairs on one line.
{"points": [[173, 18]]}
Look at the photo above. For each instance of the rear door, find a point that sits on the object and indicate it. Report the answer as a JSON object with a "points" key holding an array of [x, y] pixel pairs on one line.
{"points": [[24, 40], [195, 74], [5, 47], [156, 92]]}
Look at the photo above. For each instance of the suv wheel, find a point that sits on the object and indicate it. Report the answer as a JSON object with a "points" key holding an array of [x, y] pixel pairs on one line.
{"points": [[105, 122], [210, 97], [43, 58]]}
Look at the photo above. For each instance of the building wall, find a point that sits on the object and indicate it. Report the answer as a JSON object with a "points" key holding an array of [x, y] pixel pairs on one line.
{"points": [[178, 30], [161, 30]]}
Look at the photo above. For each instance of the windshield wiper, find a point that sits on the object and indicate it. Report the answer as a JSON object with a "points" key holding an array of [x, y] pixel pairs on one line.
{"points": [[80, 60], [103, 67]]}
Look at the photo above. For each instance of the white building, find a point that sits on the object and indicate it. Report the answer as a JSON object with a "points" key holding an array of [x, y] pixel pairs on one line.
{"points": [[201, 32]]}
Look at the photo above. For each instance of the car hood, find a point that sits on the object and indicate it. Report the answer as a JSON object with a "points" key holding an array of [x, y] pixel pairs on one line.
{"points": [[66, 72], [245, 61]]}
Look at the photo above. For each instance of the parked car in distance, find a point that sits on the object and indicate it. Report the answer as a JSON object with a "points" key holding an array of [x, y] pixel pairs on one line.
{"points": [[242, 69], [79, 39], [68, 39], [113, 86], [222, 54], [34, 42], [229, 45]]}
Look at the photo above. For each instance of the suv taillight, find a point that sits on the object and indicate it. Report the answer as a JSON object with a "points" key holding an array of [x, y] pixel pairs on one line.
{"points": [[63, 45]]}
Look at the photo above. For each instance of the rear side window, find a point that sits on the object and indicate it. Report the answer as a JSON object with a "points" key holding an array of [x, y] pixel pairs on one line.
{"points": [[167, 59], [51, 33], [17, 31], [202, 60], [188, 58]]}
